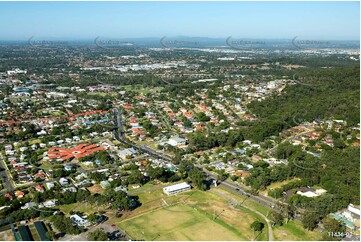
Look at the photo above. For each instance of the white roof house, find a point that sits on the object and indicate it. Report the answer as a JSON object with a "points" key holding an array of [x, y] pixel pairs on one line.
{"points": [[63, 181], [79, 221], [176, 141], [9, 152], [248, 142], [50, 185], [29, 205], [49, 203], [88, 163], [354, 209], [127, 152], [69, 189], [76, 138], [307, 194], [173, 189], [315, 193]]}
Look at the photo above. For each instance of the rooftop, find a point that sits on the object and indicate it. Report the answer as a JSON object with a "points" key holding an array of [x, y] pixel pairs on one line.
{"points": [[177, 187]]}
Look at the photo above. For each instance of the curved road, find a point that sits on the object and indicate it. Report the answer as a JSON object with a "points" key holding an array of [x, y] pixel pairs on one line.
{"points": [[270, 232]]}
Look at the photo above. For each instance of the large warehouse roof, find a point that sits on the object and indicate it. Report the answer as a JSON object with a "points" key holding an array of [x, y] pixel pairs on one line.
{"points": [[176, 187]]}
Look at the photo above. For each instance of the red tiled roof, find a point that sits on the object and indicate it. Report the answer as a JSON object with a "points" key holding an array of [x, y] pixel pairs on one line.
{"points": [[79, 151], [8, 195], [245, 175], [19, 168], [39, 188], [127, 106], [188, 114], [19, 193], [356, 143]]}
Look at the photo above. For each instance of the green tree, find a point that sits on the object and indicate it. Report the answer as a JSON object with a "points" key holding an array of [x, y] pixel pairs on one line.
{"points": [[92, 218], [276, 218], [310, 220], [198, 178], [332, 226], [257, 226], [64, 224], [98, 235], [51, 235]]}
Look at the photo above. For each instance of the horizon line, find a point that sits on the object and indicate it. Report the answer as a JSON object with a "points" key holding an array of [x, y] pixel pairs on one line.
{"points": [[172, 37]]}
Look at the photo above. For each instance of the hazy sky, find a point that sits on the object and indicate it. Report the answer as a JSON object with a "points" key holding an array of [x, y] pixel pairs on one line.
{"points": [[87, 20]]}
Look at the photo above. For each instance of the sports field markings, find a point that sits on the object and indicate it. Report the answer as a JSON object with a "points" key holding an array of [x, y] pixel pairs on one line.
{"points": [[165, 202]]}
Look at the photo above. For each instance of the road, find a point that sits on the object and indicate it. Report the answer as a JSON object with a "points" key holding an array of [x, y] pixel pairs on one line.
{"points": [[241, 190], [234, 202], [8, 184], [261, 199], [5, 176], [143, 148], [266, 201], [118, 121], [230, 109], [163, 119], [106, 226], [196, 115], [205, 123], [271, 151]]}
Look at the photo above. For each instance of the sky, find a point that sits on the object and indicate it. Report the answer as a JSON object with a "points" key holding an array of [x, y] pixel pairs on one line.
{"points": [[265, 20]]}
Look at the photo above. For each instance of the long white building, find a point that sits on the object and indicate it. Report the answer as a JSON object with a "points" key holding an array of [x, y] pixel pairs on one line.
{"points": [[177, 188]]}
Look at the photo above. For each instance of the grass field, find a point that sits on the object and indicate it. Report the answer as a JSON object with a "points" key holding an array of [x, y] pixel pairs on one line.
{"points": [[34, 141], [141, 89], [7, 235], [82, 207], [295, 231], [193, 215], [247, 202], [96, 189], [67, 208], [198, 215], [181, 222], [275, 185], [291, 231]]}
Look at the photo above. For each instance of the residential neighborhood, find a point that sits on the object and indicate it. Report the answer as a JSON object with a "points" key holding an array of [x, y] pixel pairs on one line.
{"points": [[178, 138]]}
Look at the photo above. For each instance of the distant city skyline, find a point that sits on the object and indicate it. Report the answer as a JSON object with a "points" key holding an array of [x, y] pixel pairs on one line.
{"points": [[257, 20]]}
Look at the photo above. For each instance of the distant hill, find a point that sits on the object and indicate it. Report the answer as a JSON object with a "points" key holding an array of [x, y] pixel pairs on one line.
{"points": [[205, 42]]}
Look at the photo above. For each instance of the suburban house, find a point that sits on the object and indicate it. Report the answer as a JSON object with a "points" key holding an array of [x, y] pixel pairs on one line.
{"points": [[39, 188], [49, 185], [63, 181], [126, 153], [19, 194], [178, 142], [79, 221]]}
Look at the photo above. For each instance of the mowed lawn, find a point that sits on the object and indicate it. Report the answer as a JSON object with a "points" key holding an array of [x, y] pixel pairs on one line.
{"points": [[179, 222], [295, 231], [275, 185], [235, 219], [193, 215]]}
